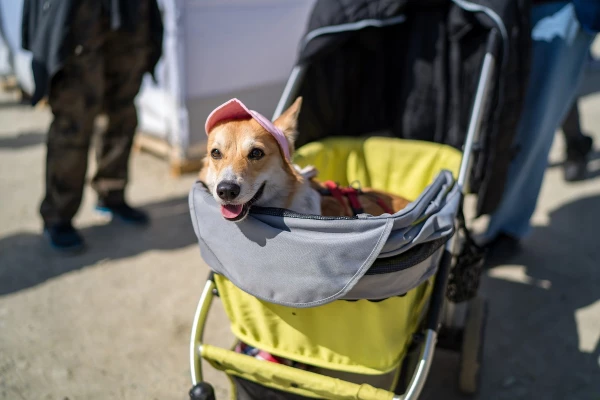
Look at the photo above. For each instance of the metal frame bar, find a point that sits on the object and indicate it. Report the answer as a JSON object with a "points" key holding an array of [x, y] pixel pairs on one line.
{"points": [[198, 329], [351, 27], [419, 377], [290, 90], [479, 105]]}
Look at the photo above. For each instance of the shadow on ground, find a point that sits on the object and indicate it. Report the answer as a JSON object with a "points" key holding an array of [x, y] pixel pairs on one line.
{"points": [[535, 348], [591, 84], [27, 260], [540, 350], [22, 140]]}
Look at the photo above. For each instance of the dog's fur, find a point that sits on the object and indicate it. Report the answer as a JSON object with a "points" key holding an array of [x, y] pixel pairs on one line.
{"points": [[277, 181]]}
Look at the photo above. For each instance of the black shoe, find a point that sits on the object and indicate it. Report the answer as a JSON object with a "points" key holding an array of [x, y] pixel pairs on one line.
{"points": [[124, 212], [575, 167], [501, 249], [64, 237]]}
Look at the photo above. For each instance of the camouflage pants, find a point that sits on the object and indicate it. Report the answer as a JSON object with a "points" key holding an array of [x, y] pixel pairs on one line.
{"points": [[102, 75]]}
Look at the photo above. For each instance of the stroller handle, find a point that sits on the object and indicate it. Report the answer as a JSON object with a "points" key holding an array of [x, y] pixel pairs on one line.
{"points": [[310, 382], [484, 85]]}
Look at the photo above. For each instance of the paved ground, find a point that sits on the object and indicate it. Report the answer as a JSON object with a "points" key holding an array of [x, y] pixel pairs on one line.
{"points": [[113, 323]]}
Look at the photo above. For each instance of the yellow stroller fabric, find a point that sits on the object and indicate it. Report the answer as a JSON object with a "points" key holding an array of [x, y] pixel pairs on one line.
{"points": [[403, 167], [362, 337]]}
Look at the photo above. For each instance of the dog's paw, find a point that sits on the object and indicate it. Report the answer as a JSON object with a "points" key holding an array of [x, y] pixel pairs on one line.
{"points": [[307, 172]]}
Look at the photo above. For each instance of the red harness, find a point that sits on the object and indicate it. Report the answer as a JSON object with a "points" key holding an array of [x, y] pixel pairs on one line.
{"points": [[352, 195]]}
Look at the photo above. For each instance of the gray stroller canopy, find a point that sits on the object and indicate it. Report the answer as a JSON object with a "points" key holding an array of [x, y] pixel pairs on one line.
{"points": [[300, 260]]}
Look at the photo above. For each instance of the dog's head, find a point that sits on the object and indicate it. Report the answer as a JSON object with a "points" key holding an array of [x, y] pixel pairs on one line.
{"points": [[248, 158]]}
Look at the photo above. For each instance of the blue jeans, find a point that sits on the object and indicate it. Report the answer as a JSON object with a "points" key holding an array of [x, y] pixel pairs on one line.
{"points": [[560, 49]]}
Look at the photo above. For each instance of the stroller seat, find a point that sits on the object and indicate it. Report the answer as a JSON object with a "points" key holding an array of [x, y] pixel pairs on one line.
{"points": [[402, 167], [362, 337]]}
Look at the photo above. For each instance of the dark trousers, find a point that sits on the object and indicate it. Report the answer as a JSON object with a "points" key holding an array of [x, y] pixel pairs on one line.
{"points": [[103, 75], [574, 138]]}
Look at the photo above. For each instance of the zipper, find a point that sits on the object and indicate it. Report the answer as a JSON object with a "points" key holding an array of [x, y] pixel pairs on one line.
{"points": [[408, 259], [281, 212]]}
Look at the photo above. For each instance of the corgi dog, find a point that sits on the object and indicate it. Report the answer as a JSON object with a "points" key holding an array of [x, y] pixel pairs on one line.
{"points": [[249, 162]]}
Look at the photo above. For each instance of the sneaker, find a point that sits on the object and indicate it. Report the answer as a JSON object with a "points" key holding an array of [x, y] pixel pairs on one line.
{"points": [[575, 167], [123, 212], [64, 237]]}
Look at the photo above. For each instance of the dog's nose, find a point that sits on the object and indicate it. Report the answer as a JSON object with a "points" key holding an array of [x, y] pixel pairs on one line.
{"points": [[228, 190]]}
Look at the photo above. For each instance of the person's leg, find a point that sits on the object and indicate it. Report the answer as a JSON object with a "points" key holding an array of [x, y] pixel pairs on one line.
{"points": [[126, 57], [578, 146], [571, 127], [74, 98], [557, 64]]}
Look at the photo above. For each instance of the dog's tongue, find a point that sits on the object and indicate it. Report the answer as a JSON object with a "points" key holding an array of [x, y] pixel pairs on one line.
{"points": [[231, 210]]}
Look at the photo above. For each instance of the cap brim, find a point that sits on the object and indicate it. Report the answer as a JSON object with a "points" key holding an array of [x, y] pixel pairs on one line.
{"points": [[233, 109]]}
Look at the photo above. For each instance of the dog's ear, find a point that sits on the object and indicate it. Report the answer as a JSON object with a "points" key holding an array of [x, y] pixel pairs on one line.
{"points": [[288, 122]]}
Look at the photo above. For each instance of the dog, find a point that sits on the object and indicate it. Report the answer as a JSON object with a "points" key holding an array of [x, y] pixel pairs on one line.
{"points": [[248, 163]]}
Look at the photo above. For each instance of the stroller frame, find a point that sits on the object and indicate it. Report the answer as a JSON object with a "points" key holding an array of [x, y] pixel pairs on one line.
{"points": [[441, 312]]}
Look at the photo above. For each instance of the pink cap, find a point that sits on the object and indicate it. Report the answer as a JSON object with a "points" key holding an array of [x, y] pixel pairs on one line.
{"points": [[235, 109]]}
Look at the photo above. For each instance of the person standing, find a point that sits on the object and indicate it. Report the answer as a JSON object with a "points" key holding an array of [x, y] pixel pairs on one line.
{"points": [[89, 57], [562, 34]]}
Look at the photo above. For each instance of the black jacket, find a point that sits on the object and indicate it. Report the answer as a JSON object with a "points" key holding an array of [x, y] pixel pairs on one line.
{"points": [[416, 79], [46, 33]]}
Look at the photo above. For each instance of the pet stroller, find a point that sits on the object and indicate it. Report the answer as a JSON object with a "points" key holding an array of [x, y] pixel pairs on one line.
{"points": [[353, 307]]}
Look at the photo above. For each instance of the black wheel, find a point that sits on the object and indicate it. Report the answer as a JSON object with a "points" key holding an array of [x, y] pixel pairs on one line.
{"points": [[471, 354], [202, 391]]}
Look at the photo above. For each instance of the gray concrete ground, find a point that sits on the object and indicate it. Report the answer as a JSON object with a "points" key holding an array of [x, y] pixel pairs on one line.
{"points": [[113, 323]]}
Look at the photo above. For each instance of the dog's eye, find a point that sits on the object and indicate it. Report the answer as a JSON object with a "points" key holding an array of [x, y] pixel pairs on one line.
{"points": [[216, 154], [256, 154]]}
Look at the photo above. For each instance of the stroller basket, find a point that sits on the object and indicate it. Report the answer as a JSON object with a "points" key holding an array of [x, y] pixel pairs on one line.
{"points": [[306, 261], [293, 296]]}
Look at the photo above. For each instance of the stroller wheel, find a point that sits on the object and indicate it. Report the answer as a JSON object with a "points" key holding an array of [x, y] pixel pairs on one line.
{"points": [[472, 346], [202, 391]]}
